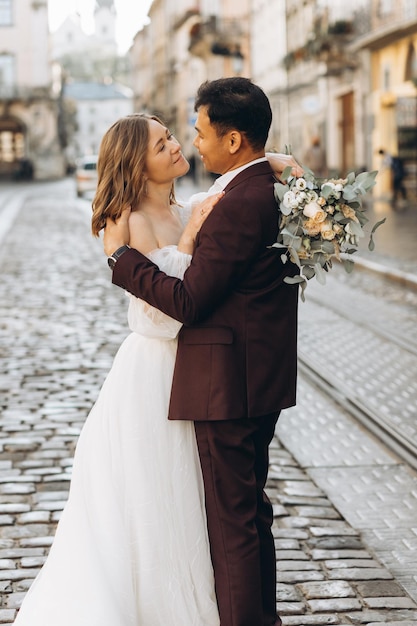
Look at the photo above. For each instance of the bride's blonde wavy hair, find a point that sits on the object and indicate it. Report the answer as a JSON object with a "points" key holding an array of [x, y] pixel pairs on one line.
{"points": [[121, 168]]}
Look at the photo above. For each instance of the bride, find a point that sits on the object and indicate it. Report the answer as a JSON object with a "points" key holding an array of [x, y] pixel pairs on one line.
{"points": [[131, 547]]}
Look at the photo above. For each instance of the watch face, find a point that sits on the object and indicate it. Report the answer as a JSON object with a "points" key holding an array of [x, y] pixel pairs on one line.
{"points": [[111, 262]]}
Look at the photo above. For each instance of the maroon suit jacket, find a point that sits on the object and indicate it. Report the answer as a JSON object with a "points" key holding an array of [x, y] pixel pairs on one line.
{"points": [[237, 353]]}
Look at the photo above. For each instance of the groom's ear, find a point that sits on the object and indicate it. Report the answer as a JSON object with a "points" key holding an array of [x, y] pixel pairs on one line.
{"points": [[235, 141]]}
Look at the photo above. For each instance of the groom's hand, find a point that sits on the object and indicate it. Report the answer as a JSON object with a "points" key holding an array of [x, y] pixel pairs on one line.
{"points": [[116, 234]]}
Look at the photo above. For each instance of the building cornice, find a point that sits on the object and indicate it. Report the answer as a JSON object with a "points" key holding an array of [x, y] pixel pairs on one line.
{"points": [[385, 35]]}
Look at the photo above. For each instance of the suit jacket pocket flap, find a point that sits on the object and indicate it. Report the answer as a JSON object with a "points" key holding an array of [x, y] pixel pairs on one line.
{"points": [[219, 334]]}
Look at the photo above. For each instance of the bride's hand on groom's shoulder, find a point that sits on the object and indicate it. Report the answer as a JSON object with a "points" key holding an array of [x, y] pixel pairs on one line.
{"points": [[202, 210], [279, 161], [199, 214]]}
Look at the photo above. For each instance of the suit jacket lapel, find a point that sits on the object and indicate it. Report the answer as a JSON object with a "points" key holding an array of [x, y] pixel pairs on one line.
{"points": [[259, 169]]}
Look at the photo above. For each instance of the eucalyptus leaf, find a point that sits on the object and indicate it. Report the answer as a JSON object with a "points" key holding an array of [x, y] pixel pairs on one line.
{"points": [[362, 218], [371, 244], [308, 174], [303, 286], [286, 173], [285, 210], [294, 280], [290, 240], [320, 274], [297, 280], [319, 259], [294, 256], [294, 228], [349, 193], [316, 245], [308, 271], [377, 225], [359, 189], [355, 229], [348, 265], [366, 180], [326, 191], [328, 247], [279, 191], [284, 258]]}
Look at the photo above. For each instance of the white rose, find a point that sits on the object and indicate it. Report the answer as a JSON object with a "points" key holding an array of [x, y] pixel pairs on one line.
{"points": [[327, 231], [311, 208], [333, 190], [301, 184], [290, 200], [311, 195]]}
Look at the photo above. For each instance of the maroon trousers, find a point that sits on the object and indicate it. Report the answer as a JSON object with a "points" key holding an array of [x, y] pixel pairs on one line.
{"points": [[234, 459]]}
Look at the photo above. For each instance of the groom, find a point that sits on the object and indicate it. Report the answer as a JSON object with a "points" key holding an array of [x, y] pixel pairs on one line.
{"points": [[236, 360]]}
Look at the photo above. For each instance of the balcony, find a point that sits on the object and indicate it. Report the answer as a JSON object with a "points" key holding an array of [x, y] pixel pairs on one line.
{"points": [[184, 17], [383, 34], [215, 36], [328, 45], [14, 93]]}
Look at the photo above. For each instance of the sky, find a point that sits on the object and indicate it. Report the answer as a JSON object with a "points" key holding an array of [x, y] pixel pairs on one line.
{"points": [[131, 15]]}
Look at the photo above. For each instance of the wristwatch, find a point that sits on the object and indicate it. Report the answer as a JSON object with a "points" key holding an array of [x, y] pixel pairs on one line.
{"points": [[112, 260]]}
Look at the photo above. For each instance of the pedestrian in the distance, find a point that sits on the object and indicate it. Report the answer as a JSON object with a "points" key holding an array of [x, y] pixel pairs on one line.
{"points": [[315, 158], [397, 172], [398, 176]]}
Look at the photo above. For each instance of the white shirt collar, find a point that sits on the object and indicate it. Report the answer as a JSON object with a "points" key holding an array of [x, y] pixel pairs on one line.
{"points": [[221, 183]]}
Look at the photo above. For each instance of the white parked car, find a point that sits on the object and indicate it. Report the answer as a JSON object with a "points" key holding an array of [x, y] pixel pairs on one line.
{"points": [[86, 174]]}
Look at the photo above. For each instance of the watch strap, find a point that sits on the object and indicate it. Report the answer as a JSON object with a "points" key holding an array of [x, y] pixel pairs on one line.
{"points": [[112, 260]]}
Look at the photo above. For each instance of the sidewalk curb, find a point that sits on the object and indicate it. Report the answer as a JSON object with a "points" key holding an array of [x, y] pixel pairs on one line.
{"points": [[403, 278], [10, 206]]}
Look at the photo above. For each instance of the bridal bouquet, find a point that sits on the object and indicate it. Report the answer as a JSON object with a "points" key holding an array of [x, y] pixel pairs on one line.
{"points": [[321, 220]]}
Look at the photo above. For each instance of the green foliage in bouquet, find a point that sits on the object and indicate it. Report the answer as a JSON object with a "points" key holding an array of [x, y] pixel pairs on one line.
{"points": [[321, 220]]}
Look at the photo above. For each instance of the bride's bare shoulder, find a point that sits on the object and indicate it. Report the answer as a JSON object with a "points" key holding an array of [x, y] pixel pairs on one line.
{"points": [[142, 235]]}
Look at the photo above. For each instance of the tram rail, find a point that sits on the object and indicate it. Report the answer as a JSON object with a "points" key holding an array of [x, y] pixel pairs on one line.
{"points": [[393, 435]]}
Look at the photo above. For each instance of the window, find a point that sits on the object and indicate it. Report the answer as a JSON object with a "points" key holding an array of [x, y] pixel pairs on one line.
{"points": [[11, 146], [386, 79], [410, 9], [6, 69], [5, 12], [411, 65], [211, 7], [386, 7]]}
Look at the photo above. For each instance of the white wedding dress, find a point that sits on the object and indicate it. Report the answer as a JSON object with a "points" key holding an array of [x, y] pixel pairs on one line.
{"points": [[131, 547]]}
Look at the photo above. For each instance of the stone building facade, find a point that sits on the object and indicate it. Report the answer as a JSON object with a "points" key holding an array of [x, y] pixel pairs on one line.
{"points": [[30, 145], [184, 44], [341, 73]]}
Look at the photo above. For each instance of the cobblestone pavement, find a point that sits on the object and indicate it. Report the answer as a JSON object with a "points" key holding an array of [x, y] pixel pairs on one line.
{"points": [[345, 508]]}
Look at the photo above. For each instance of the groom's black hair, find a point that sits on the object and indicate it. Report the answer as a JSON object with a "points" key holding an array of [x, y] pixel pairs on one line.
{"points": [[237, 103]]}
